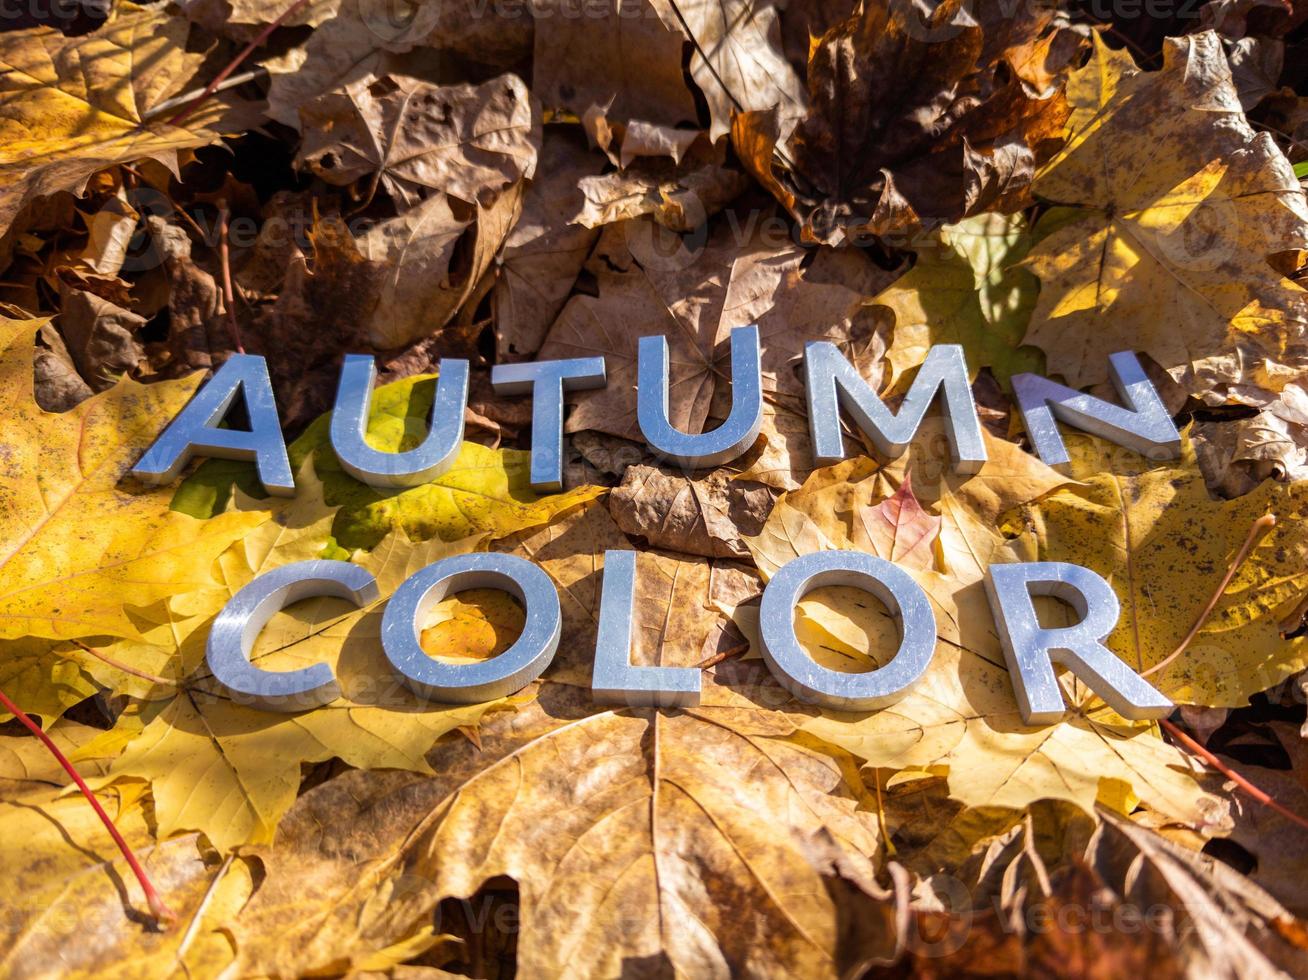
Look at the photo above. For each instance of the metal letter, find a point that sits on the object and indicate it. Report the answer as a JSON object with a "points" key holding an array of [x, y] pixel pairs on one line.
{"points": [[1032, 650], [232, 636], [833, 383], [797, 672], [547, 381], [729, 439], [498, 677], [195, 429], [615, 680], [1143, 425], [415, 466]]}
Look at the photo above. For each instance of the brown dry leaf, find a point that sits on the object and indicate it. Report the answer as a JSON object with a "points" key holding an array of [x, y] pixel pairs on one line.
{"points": [[544, 252], [912, 121], [469, 141], [1236, 456], [70, 106], [102, 338], [355, 39], [697, 516], [736, 59], [694, 298], [624, 55], [679, 194], [419, 285], [1176, 205], [1279, 846], [629, 833]]}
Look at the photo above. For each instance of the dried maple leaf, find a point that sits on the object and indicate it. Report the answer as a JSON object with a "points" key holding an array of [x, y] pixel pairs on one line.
{"points": [[68, 873], [469, 141], [623, 55], [694, 299], [79, 550], [697, 516], [967, 289], [206, 756], [544, 253], [486, 491], [962, 715], [736, 59], [1175, 207], [1165, 544], [70, 106], [913, 119]]}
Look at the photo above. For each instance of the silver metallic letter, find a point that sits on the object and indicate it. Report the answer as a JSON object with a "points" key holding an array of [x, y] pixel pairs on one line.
{"points": [[833, 383], [195, 429], [415, 466], [796, 671], [546, 381], [1031, 650], [513, 669], [728, 440], [232, 636], [615, 680], [1143, 425]]}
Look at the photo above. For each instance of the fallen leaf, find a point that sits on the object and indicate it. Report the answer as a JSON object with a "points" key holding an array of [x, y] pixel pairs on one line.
{"points": [[911, 121], [966, 289], [737, 61], [486, 491], [79, 549], [624, 56], [545, 251], [697, 516], [1153, 531], [468, 141], [75, 105], [623, 830], [1170, 259], [70, 877]]}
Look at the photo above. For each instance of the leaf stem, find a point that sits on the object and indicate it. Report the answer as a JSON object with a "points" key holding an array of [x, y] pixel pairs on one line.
{"points": [[1257, 794], [1257, 532], [236, 62], [229, 295], [158, 909], [125, 668]]}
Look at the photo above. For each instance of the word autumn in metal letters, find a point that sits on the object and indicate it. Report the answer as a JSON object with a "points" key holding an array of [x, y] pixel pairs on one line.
{"points": [[833, 385]]}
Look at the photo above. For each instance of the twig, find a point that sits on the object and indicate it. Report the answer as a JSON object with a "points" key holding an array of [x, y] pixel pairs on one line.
{"points": [[229, 295], [158, 909], [186, 98], [193, 929], [236, 62], [1244, 784], [1257, 532], [125, 668]]}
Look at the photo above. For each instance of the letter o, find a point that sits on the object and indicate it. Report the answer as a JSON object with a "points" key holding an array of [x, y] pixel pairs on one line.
{"points": [[513, 669], [809, 681]]}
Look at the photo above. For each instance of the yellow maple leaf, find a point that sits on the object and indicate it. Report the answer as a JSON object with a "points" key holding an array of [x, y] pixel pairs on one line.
{"points": [[70, 106], [1154, 532], [67, 874], [1169, 206], [75, 547], [962, 718], [229, 770]]}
